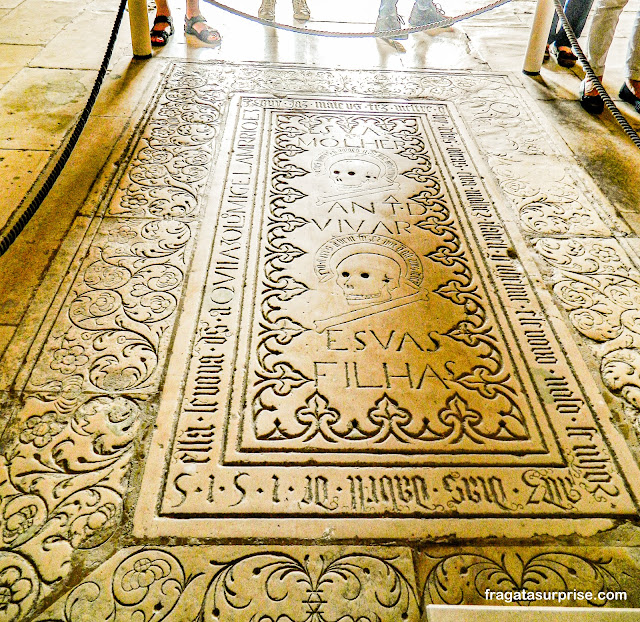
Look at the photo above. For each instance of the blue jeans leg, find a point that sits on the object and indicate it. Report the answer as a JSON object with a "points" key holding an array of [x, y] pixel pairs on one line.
{"points": [[577, 12]]}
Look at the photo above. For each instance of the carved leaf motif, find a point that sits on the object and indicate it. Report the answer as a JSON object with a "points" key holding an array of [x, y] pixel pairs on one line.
{"points": [[122, 304], [554, 571], [317, 417], [276, 586], [601, 289], [282, 378], [151, 580], [66, 474], [19, 586]]}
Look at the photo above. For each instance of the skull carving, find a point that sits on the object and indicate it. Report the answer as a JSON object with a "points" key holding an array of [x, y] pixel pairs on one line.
{"points": [[347, 174], [367, 278]]}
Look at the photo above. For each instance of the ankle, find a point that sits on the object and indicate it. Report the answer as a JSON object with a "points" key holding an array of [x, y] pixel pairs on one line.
{"points": [[590, 87]]}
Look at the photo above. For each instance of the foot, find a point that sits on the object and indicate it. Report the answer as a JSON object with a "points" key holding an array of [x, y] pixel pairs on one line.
{"points": [[429, 15], [162, 30], [590, 89], [301, 10], [390, 21], [267, 10], [630, 93], [590, 99], [197, 26], [563, 55]]}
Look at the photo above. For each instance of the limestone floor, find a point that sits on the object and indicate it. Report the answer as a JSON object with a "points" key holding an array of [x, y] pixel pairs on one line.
{"points": [[86, 537]]}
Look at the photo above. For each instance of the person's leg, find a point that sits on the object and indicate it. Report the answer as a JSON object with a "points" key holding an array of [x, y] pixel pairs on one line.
{"points": [[632, 63], [388, 18], [267, 10], [554, 29], [162, 8], [388, 7], [605, 19], [204, 32], [577, 12]]}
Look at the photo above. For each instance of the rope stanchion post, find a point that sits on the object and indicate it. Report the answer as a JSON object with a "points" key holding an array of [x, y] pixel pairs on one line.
{"points": [[534, 56], [139, 24]]}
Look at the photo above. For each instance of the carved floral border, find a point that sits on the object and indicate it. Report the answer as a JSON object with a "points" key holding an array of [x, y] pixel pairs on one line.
{"points": [[323, 584]]}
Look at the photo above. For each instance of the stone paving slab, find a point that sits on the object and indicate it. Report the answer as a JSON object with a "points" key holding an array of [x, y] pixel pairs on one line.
{"points": [[35, 22]]}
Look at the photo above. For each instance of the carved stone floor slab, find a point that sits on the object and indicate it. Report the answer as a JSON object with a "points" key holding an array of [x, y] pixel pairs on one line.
{"points": [[242, 584], [368, 340], [331, 345]]}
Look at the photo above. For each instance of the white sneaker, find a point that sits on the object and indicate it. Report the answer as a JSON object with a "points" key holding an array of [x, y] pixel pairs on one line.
{"points": [[301, 10], [267, 10]]}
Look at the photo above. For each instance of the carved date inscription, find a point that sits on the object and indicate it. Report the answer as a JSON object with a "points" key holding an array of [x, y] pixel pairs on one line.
{"points": [[367, 343]]}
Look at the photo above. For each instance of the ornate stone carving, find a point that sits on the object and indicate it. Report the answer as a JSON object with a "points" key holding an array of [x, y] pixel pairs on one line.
{"points": [[173, 155], [66, 456], [600, 288], [62, 483], [318, 584], [114, 326], [329, 583], [372, 366], [469, 578]]}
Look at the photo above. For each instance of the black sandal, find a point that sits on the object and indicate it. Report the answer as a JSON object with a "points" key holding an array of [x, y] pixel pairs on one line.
{"points": [[205, 34], [161, 35]]}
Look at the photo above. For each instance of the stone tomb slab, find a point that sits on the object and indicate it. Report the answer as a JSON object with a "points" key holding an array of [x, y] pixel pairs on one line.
{"points": [[368, 344]]}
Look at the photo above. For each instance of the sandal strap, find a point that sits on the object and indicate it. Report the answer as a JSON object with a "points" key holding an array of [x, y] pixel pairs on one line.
{"points": [[190, 21], [162, 32]]}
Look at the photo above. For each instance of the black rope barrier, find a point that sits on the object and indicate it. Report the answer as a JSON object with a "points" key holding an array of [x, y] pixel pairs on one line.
{"points": [[613, 109], [14, 230]]}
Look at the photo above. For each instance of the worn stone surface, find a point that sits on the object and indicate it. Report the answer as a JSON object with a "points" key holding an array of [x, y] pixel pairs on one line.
{"points": [[33, 22], [75, 47], [13, 58], [451, 576], [240, 583], [16, 178], [320, 308], [38, 107]]}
